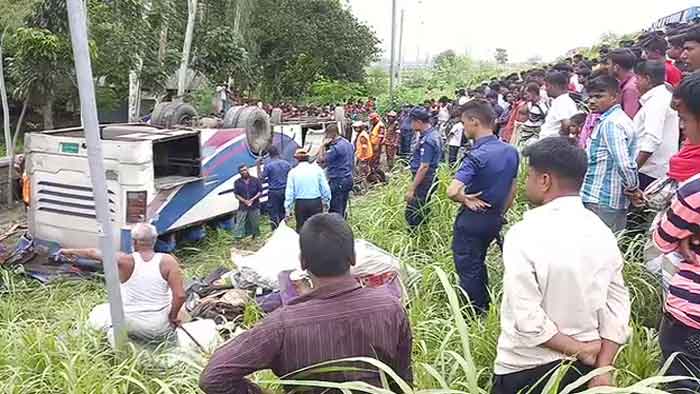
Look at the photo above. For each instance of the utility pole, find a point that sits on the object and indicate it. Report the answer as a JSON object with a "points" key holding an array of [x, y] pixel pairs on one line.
{"points": [[398, 69], [88, 111], [393, 49]]}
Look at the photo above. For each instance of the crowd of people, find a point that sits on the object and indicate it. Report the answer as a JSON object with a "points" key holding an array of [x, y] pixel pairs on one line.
{"points": [[602, 138]]}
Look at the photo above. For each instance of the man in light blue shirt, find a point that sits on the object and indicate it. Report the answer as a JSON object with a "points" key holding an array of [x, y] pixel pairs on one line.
{"points": [[307, 190], [612, 169]]}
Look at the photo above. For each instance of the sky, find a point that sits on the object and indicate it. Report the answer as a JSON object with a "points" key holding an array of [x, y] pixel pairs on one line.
{"points": [[525, 28]]}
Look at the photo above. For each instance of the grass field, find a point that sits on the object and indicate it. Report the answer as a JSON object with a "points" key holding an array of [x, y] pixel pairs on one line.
{"points": [[45, 348]]}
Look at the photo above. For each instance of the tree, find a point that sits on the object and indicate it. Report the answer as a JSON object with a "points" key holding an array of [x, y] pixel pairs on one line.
{"points": [[126, 35], [323, 92], [445, 59], [501, 56], [219, 54], [13, 11], [294, 43], [41, 65], [187, 46], [42, 68]]}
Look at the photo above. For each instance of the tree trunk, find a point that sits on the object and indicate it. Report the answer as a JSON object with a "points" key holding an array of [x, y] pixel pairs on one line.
{"points": [[13, 146], [6, 120], [47, 113], [237, 18], [162, 44], [135, 91], [184, 63]]}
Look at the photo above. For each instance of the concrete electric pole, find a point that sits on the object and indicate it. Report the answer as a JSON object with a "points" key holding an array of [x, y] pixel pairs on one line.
{"points": [[88, 112]]}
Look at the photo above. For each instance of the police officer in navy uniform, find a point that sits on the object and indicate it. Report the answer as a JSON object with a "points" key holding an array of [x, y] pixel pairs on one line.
{"points": [[485, 187], [424, 165], [275, 174], [338, 159]]}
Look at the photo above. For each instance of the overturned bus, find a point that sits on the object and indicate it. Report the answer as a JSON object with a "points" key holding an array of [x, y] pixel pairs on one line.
{"points": [[179, 178]]}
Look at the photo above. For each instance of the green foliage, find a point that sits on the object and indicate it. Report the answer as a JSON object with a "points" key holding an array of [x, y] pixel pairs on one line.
{"points": [[202, 100], [445, 60], [48, 349], [297, 43], [501, 56], [219, 54], [324, 91], [41, 64], [124, 31], [13, 13], [449, 73]]}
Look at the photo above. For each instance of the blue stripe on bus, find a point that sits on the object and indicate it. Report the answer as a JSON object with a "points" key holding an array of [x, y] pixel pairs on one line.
{"points": [[192, 193]]}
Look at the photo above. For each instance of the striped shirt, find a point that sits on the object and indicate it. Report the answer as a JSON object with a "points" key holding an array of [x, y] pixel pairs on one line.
{"points": [[333, 322], [611, 161], [681, 221]]}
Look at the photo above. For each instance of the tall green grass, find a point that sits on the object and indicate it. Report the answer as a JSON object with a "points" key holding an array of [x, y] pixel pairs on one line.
{"points": [[45, 347]]}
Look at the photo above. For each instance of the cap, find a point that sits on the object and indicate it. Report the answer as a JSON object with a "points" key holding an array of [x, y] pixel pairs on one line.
{"points": [[358, 123], [301, 152], [419, 113], [391, 113]]}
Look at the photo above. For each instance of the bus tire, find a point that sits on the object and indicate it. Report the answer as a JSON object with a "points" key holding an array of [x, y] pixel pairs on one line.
{"points": [[183, 114], [256, 123]]}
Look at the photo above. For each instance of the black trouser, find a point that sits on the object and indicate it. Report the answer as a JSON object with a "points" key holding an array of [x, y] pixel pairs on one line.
{"points": [[644, 181], [532, 381], [340, 193], [305, 209], [676, 337], [418, 210], [275, 202], [472, 235], [452, 155], [405, 141], [639, 219]]}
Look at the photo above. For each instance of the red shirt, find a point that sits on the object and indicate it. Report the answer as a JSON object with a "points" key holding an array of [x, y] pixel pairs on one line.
{"points": [[673, 74]]}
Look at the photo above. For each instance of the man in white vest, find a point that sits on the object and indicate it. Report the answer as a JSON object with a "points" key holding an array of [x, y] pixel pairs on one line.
{"points": [[152, 287]]}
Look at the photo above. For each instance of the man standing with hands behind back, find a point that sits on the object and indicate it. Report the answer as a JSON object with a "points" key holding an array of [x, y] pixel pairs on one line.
{"points": [[485, 187], [564, 297]]}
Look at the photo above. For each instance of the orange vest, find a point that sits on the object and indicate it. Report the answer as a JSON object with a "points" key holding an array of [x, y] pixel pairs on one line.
{"points": [[364, 147], [376, 136]]}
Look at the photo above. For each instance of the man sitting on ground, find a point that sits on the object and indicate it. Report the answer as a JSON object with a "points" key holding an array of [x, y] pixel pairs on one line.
{"points": [[338, 319], [151, 285], [566, 301]]}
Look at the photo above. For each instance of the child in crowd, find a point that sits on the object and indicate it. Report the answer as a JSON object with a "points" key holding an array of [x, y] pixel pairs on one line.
{"points": [[571, 128]]}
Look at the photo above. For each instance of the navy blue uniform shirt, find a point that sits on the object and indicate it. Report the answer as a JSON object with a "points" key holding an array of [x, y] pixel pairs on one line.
{"points": [[428, 151], [248, 190], [275, 173], [490, 167], [340, 157]]}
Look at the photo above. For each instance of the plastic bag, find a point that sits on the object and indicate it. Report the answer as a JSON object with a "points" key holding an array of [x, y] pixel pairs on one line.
{"points": [[280, 253]]}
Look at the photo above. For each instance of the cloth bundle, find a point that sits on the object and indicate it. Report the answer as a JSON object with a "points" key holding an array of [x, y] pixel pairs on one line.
{"points": [[221, 306]]}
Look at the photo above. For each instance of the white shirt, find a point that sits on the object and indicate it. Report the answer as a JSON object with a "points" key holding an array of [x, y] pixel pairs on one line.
{"points": [[443, 114], [503, 103], [562, 108], [455, 135], [462, 100], [574, 81], [656, 125], [563, 274]]}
